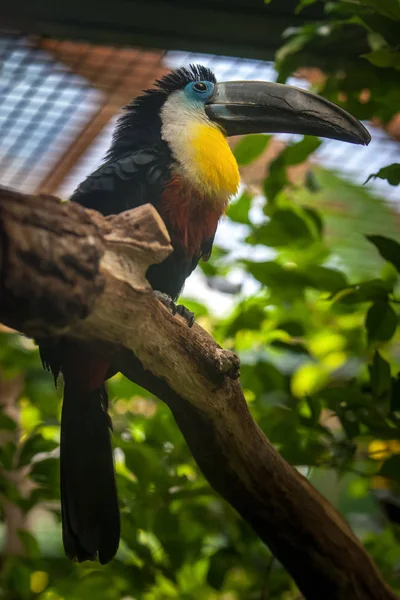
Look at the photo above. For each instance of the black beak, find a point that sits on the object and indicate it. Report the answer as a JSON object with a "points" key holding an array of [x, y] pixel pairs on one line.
{"points": [[241, 107]]}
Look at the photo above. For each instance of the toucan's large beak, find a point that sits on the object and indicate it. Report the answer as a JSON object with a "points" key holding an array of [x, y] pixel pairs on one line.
{"points": [[241, 107]]}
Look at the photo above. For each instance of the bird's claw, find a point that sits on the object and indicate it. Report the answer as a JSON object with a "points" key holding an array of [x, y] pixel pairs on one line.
{"points": [[186, 314], [175, 308], [167, 301]]}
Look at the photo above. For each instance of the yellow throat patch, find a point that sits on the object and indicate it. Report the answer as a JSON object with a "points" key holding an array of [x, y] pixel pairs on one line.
{"points": [[213, 166]]}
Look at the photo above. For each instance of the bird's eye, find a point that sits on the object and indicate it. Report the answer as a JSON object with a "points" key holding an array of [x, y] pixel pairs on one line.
{"points": [[200, 86], [199, 91]]}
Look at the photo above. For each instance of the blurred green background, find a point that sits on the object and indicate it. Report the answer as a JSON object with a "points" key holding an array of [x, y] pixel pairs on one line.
{"points": [[314, 321]]}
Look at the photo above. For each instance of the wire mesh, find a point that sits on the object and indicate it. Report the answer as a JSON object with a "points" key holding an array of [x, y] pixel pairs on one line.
{"points": [[43, 106], [50, 91]]}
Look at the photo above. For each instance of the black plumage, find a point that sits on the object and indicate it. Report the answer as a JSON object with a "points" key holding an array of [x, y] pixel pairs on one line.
{"points": [[135, 171]]}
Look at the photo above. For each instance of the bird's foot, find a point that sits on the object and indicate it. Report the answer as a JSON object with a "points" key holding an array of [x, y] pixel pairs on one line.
{"points": [[186, 314], [175, 308]]}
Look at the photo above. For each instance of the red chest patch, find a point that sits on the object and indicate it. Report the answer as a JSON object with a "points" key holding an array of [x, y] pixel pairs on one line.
{"points": [[190, 217]]}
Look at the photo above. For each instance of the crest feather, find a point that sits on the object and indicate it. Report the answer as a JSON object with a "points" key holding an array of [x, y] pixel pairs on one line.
{"points": [[178, 78]]}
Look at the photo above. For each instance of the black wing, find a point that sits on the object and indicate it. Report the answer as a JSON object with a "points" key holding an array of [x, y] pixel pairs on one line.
{"points": [[118, 185], [125, 183], [206, 248]]}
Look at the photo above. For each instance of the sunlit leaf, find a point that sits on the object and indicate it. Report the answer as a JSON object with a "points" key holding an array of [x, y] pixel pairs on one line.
{"points": [[308, 379], [238, 210], [39, 581]]}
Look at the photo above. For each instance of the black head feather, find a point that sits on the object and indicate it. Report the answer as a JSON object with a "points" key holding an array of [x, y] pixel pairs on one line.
{"points": [[140, 124], [176, 80]]}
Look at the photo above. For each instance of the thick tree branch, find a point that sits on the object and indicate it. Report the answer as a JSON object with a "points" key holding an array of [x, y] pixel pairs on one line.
{"points": [[67, 271]]}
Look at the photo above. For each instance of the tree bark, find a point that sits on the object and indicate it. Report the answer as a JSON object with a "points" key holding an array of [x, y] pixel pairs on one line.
{"points": [[68, 271]]}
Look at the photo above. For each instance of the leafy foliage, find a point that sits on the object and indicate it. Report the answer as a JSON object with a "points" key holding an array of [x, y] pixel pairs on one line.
{"points": [[357, 46], [390, 173], [250, 147], [319, 369], [319, 346]]}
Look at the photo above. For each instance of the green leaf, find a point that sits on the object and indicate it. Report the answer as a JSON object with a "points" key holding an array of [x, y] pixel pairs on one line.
{"points": [[220, 564], [381, 382], [34, 445], [6, 422], [349, 422], [296, 154], [315, 218], [395, 404], [238, 211], [195, 307], [284, 228], [391, 173], [8, 452], [381, 322], [387, 248], [30, 543], [384, 57], [249, 315], [250, 147], [291, 155], [276, 180], [311, 183], [272, 274], [141, 460], [322, 278], [388, 8], [302, 4], [46, 473], [295, 44], [366, 291], [315, 406], [391, 468], [19, 580]]}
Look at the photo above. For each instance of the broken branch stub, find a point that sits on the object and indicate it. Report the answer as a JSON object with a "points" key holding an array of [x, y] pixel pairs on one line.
{"points": [[49, 263]]}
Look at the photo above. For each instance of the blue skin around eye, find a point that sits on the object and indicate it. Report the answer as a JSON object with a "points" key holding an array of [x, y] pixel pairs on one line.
{"points": [[198, 96]]}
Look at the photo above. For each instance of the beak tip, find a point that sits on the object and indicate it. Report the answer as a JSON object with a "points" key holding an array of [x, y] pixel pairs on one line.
{"points": [[365, 138], [359, 135]]}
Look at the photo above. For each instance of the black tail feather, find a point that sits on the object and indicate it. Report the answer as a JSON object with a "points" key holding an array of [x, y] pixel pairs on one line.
{"points": [[89, 503]]}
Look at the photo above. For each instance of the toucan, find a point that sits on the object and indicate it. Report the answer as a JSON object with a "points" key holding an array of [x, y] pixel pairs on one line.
{"points": [[169, 149]]}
